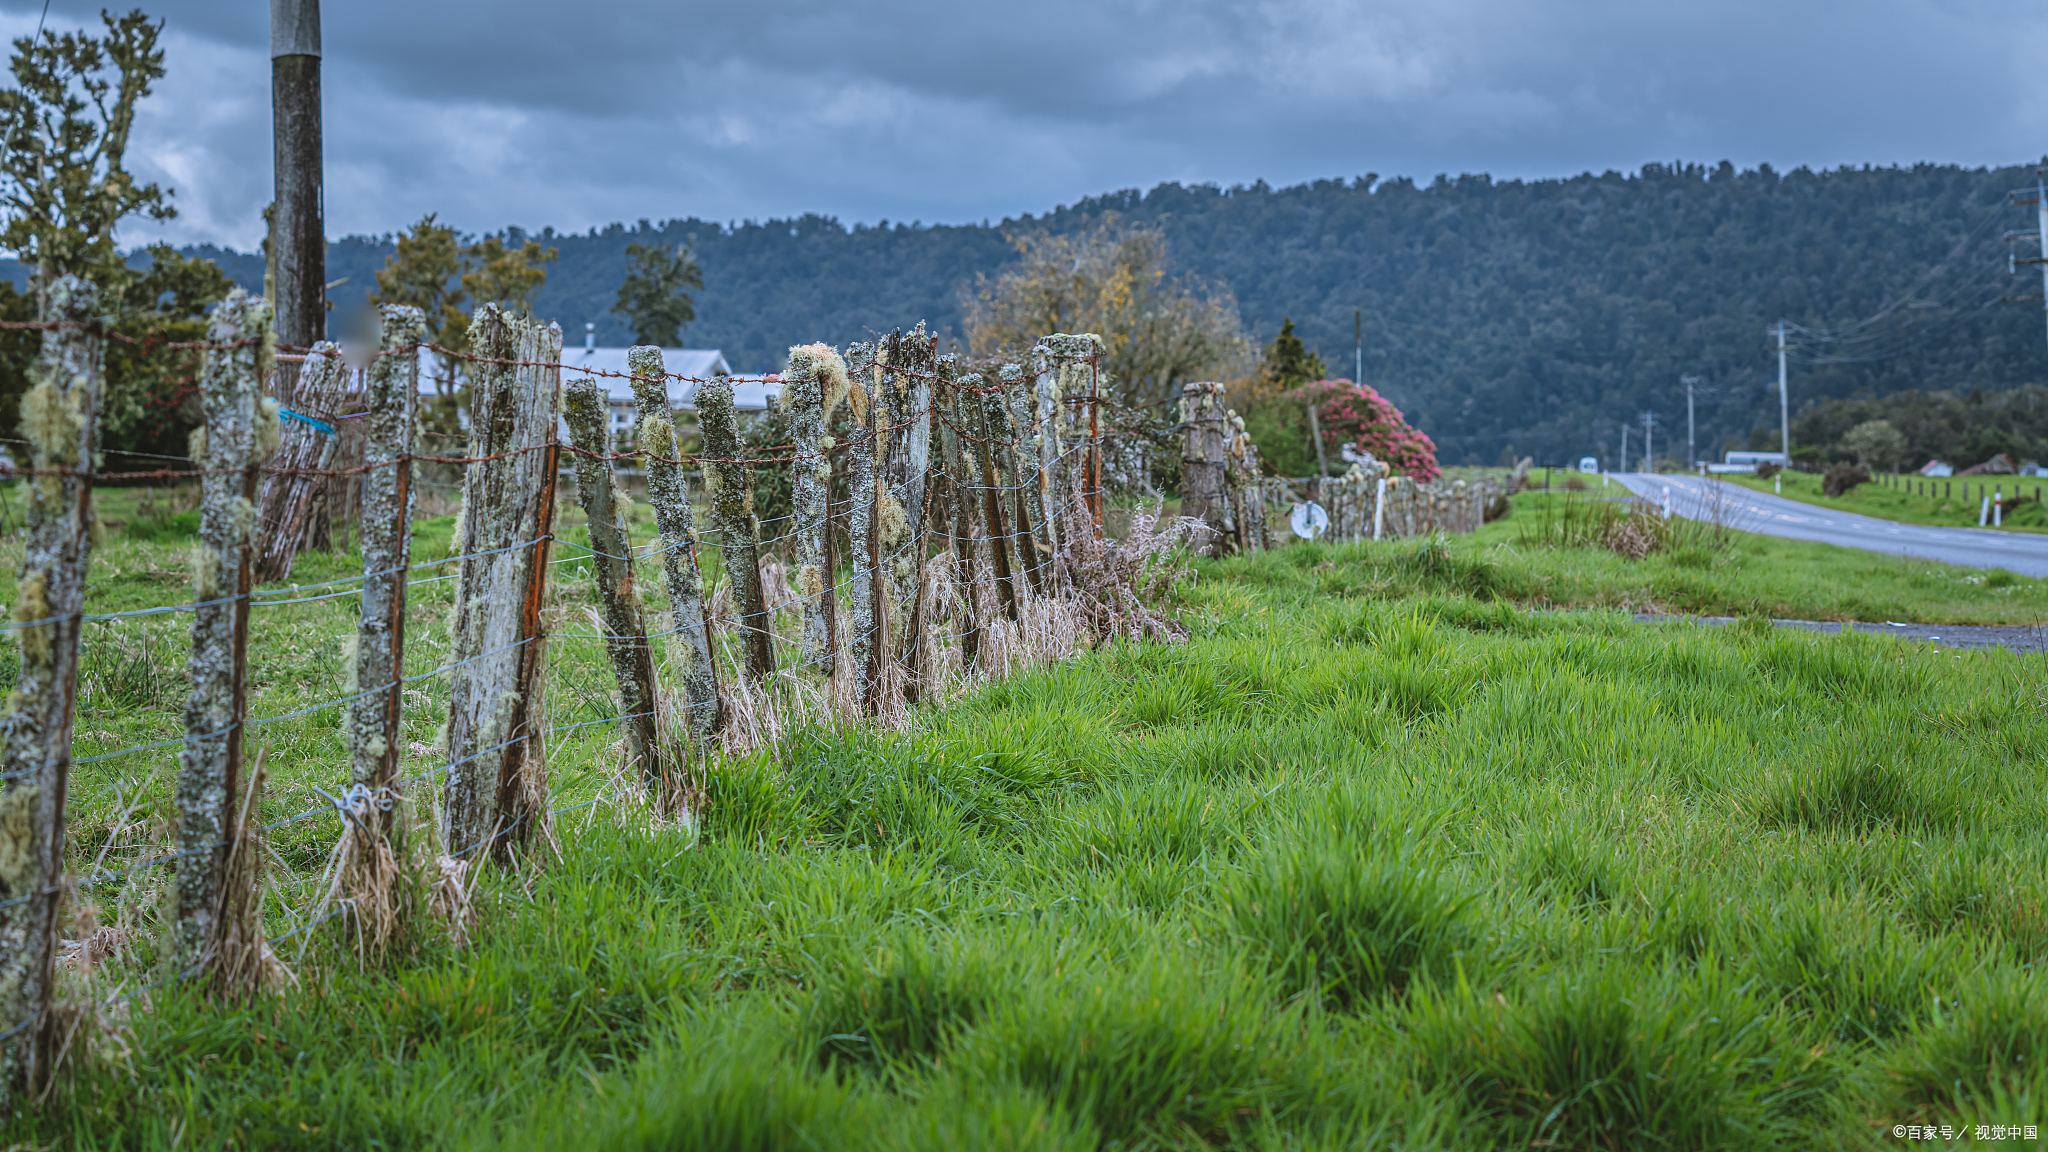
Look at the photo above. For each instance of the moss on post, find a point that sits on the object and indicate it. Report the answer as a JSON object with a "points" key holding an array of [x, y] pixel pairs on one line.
{"points": [[373, 845], [1203, 483], [1010, 420], [668, 492], [625, 624], [392, 396], [908, 362], [209, 770], [729, 490], [1068, 395], [979, 408], [1245, 486], [812, 388], [59, 414], [865, 641], [496, 793], [962, 491]]}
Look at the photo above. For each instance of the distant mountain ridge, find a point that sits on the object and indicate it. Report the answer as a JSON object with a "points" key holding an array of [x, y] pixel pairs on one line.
{"points": [[1532, 315]]}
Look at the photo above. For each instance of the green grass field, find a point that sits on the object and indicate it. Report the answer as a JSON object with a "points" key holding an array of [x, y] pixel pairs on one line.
{"points": [[1379, 858], [1942, 503]]}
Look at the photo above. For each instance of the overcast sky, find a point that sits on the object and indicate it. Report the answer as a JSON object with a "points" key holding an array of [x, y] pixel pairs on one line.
{"points": [[576, 115]]}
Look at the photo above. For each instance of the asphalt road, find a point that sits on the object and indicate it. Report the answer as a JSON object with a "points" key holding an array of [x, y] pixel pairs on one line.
{"points": [[1700, 498]]}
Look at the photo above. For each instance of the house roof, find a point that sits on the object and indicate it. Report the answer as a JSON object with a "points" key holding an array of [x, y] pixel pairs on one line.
{"points": [[750, 393]]}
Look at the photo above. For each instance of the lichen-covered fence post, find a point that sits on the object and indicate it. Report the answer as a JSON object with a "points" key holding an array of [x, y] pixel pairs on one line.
{"points": [[375, 749], [729, 489], [305, 446], [908, 362], [496, 792], [1017, 450], [240, 430], [668, 491], [371, 848], [1203, 484], [1243, 487], [961, 493], [610, 514], [1069, 380], [981, 410], [1046, 465], [811, 389], [864, 639], [58, 420]]}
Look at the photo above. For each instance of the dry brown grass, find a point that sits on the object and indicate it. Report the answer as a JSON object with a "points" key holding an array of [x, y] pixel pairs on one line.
{"points": [[243, 964]]}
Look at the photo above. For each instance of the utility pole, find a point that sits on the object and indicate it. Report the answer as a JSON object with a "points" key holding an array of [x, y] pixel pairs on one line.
{"points": [[1784, 402], [1649, 442], [1624, 447], [1358, 341], [298, 236], [1692, 455], [2040, 233]]}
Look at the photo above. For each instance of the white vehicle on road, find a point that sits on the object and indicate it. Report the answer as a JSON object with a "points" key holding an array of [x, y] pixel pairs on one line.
{"points": [[1590, 465]]}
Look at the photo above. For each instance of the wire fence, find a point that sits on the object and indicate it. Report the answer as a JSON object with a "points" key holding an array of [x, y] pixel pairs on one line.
{"points": [[901, 526]]}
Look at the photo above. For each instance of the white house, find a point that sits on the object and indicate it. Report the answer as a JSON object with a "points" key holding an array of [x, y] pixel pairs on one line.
{"points": [[608, 365], [749, 393]]}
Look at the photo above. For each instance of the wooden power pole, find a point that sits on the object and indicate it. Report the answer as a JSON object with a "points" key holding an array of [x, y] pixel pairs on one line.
{"points": [[298, 238]]}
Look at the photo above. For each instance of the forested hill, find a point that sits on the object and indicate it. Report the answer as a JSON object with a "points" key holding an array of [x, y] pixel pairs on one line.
{"points": [[1497, 313]]}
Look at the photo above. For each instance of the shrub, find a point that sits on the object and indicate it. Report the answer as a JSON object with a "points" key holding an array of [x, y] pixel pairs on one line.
{"points": [[1355, 414], [1843, 477]]}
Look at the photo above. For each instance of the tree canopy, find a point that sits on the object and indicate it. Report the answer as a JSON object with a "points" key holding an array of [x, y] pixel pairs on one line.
{"points": [[1534, 313], [655, 297], [432, 268], [64, 181], [1288, 362], [1158, 330]]}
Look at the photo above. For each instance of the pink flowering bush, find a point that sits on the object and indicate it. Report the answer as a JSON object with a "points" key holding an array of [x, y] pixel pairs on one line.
{"points": [[1357, 415]]}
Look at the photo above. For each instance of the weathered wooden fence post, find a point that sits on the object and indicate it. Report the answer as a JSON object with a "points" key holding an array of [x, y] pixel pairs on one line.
{"points": [[864, 640], [497, 786], [812, 387], [306, 441], [904, 445], [240, 429], [59, 418], [1244, 490], [1017, 450], [375, 748], [1047, 407], [1203, 486], [1068, 379], [960, 489], [729, 489], [625, 624], [984, 410], [370, 867], [667, 490]]}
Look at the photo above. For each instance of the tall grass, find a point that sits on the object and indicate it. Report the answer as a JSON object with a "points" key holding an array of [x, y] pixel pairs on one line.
{"points": [[1407, 867]]}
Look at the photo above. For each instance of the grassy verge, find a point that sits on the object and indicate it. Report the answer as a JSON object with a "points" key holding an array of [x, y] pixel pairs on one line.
{"points": [[1698, 571], [1377, 858], [1943, 504]]}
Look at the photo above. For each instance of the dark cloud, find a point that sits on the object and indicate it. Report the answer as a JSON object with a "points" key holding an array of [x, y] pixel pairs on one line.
{"points": [[518, 112]]}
